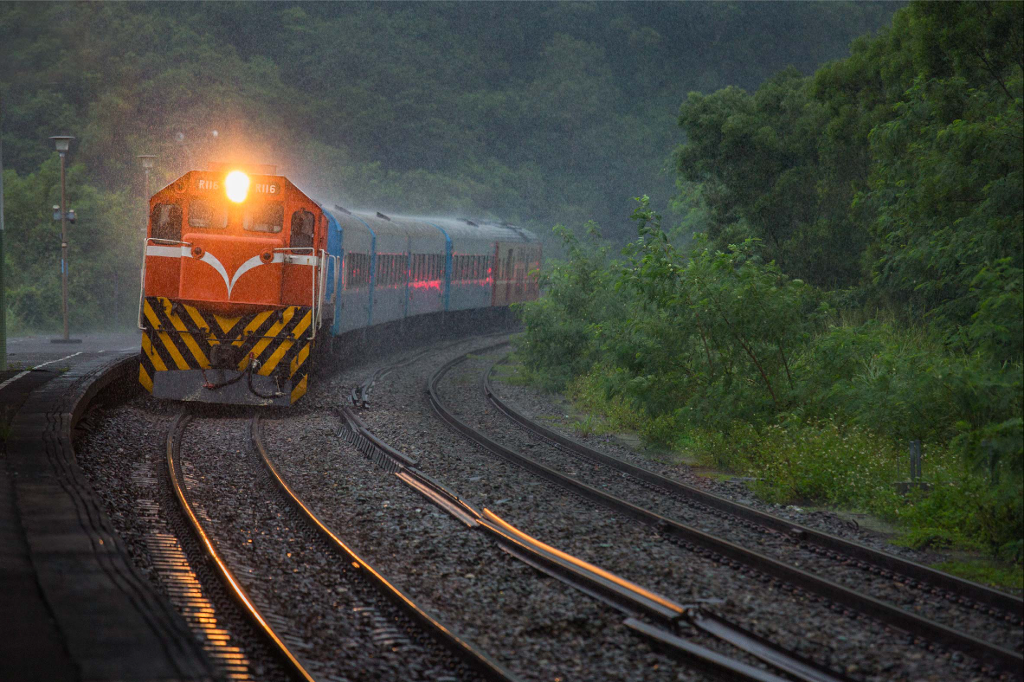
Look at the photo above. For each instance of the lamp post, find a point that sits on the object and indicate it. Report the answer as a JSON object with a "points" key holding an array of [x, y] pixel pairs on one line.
{"points": [[62, 143], [179, 137], [147, 165]]}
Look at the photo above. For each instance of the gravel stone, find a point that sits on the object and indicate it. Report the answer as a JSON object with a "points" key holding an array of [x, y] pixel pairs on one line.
{"points": [[537, 627]]}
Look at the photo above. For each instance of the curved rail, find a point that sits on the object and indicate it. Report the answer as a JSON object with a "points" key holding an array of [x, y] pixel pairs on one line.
{"points": [[360, 396], [626, 596], [231, 584], [456, 645], [955, 588], [696, 540]]}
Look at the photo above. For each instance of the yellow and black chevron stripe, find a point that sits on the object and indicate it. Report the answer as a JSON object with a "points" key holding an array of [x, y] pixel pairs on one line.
{"points": [[178, 336]]}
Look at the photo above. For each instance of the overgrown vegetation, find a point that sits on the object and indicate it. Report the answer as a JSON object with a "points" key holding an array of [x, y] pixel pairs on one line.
{"points": [[857, 285]]}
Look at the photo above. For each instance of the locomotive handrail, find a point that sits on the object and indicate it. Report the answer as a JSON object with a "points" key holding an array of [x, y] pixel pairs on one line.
{"points": [[327, 260], [323, 284], [167, 241], [142, 282]]}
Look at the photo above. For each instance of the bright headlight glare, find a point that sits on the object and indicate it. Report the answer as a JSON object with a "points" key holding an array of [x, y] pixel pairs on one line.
{"points": [[237, 186]]}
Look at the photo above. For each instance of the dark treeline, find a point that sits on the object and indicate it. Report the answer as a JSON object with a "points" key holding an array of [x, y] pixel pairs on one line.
{"points": [[534, 112], [856, 283]]}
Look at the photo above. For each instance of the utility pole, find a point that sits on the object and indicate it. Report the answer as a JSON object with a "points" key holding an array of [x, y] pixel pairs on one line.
{"points": [[3, 284]]}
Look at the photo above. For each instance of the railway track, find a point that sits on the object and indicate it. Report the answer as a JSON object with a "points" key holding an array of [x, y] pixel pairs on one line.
{"points": [[257, 618], [191, 585], [963, 593], [476, 661], [375, 611], [639, 605], [929, 632]]}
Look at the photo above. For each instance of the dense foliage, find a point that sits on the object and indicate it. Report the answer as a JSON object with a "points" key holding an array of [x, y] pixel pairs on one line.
{"points": [[533, 112], [859, 284]]}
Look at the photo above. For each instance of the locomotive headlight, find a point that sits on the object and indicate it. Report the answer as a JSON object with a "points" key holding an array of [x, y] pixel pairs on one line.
{"points": [[237, 186]]}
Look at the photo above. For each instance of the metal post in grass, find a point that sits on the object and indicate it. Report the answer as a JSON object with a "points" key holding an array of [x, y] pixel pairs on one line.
{"points": [[147, 165], [993, 461], [916, 481], [915, 461]]}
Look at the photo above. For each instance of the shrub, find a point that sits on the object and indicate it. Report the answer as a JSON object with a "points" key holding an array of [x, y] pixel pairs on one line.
{"points": [[559, 330], [721, 354], [854, 468], [822, 463]]}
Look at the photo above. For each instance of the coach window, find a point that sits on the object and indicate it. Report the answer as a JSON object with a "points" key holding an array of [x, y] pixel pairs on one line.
{"points": [[358, 268], [266, 218], [202, 213], [302, 230]]}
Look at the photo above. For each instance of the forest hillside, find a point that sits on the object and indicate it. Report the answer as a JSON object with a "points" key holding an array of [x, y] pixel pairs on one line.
{"points": [[539, 113]]}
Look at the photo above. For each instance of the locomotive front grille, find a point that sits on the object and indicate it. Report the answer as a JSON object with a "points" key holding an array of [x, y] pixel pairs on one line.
{"points": [[182, 338]]}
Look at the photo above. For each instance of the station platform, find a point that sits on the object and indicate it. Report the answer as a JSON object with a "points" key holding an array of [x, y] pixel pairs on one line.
{"points": [[74, 606]]}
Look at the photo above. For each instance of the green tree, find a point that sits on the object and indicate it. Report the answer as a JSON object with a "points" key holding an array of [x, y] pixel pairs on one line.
{"points": [[946, 184]]}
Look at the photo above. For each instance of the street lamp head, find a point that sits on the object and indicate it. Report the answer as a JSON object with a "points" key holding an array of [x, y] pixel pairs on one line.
{"points": [[147, 160], [62, 142]]}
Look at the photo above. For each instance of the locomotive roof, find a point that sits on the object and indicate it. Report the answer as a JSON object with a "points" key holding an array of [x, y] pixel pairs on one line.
{"points": [[455, 228]]}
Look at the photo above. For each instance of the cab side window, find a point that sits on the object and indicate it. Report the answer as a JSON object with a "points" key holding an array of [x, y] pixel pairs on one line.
{"points": [[166, 222], [302, 230]]}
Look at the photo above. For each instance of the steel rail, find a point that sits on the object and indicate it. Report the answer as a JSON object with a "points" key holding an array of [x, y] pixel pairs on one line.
{"points": [[623, 595], [600, 585], [463, 650], [694, 614], [694, 539], [232, 586], [704, 659], [360, 395], [1011, 606]]}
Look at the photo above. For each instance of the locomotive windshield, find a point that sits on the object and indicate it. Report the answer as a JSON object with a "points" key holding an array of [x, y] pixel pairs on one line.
{"points": [[202, 213], [266, 218]]}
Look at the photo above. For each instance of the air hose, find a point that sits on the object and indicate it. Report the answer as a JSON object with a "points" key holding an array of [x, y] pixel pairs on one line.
{"points": [[247, 373]]}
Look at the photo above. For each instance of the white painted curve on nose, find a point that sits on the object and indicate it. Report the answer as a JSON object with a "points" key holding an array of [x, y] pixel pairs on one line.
{"points": [[245, 267], [214, 262]]}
